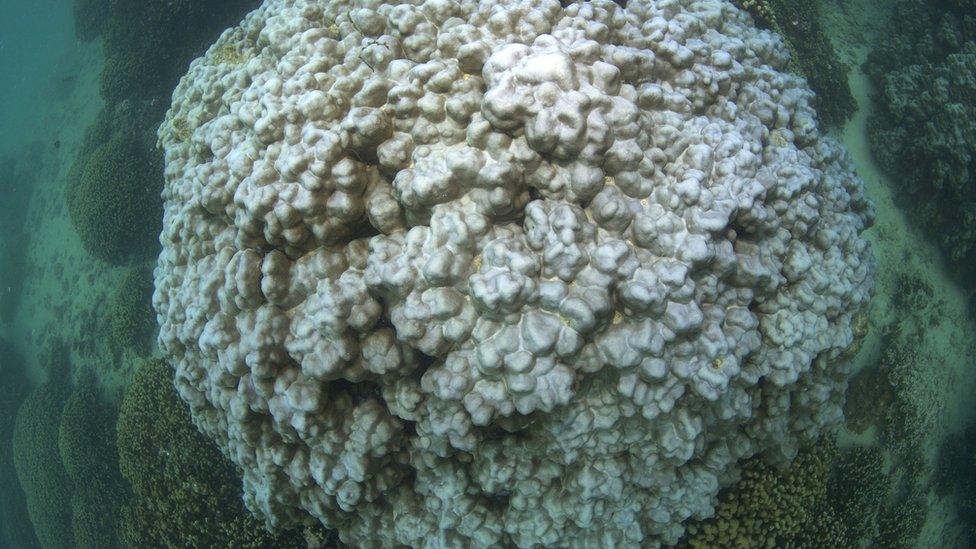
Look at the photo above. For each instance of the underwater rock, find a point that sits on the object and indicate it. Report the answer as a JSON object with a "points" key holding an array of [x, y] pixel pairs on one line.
{"points": [[460, 271]]}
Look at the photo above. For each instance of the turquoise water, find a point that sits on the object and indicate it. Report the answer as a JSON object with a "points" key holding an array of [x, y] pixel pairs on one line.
{"points": [[270, 365]]}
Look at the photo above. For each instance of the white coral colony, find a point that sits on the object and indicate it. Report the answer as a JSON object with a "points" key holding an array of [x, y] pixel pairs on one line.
{"points": [[461, 273]]}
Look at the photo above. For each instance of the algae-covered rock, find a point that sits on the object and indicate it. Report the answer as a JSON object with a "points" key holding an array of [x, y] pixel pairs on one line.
{"points": [[185, 492]]}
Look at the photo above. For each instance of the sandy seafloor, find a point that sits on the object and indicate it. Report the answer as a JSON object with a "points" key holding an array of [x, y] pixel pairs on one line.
{"points": [[49, 97], [50, 93], [948, 381]]}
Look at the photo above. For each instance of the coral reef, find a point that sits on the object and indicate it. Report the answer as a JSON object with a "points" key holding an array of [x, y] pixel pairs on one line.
{"points": [[768, 507], [822, 529], [148, 44], [114, 201], [955, 477], [857, 488], [901, 393], [459, 272], [762, 10], [132, 320], [94, 517], [114, 184], [89, 18], [923, 127], [825, 498], [901, 521], [82, 423], [15, 526], [129, 74], [813, 54], [37, 458], [185, 493], [66, 460], [87, 446]]}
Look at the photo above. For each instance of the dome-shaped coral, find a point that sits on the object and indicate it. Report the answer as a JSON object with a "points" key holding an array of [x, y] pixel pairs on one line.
{"points": [[15, 525], [131, 318], [505, 272], [115, 199], [38, 463]]}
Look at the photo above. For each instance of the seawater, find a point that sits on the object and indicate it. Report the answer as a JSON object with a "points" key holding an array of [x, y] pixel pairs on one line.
{"points": [[76, 328]]}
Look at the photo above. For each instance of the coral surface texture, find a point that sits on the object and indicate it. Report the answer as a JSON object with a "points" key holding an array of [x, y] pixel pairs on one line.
{"points": [[451, 273]]}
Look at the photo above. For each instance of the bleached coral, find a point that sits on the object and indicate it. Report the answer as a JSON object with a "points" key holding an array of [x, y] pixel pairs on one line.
{"points": [[504, 272]]}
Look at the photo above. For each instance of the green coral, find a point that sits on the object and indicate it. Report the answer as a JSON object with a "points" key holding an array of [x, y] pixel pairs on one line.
{"points": [[900, 522], [15, 527], [88, 453], [94, 517], [822, 529], [128, 74], [767, 507], [114, 186], [66, 461], [185, 492], [115, 201], [38, 464], [955, 477], [149, 43], [132, 320], [857, 489], [80, 425]]}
